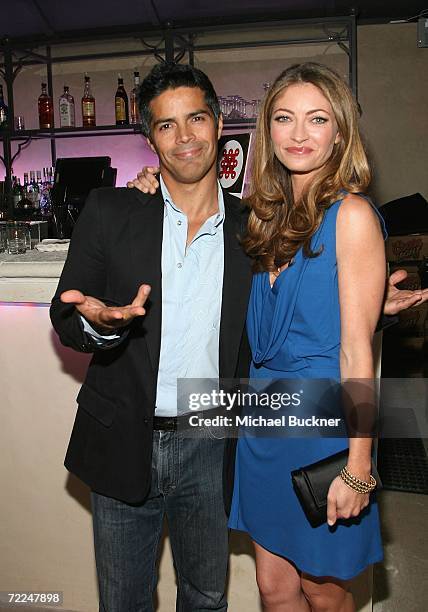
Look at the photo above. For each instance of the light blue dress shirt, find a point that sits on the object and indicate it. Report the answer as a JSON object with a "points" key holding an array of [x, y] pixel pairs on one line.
{"points": [[192, 286]]}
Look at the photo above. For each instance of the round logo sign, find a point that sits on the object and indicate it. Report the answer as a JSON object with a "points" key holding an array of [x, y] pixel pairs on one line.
{"points": [[230, 163]]}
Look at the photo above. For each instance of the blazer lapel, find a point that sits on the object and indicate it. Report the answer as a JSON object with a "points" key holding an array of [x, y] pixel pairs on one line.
{"points": [[146, 231], [236, 288]]}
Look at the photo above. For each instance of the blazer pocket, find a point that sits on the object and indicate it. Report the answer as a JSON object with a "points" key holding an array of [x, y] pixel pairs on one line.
{"points": [[100, 407]]}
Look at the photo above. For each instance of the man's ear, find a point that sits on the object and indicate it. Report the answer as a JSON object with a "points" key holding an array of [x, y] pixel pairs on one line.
{"points": [[220, 126], [149, 142]]}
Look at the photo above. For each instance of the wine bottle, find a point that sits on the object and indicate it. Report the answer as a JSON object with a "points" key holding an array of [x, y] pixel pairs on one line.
{"points": [[37, 189], [25, 202], [135, 112], [121, 103], [45, 105], [88, 105], [33, 190], [66, 109], [16, 192]]}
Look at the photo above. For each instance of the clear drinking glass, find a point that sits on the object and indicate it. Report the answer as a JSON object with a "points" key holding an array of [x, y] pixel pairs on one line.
{"points": [[255, 105], [240, 107], [16, 238], [28, 236], [2, 237], [222, 102], [19, 123], [229, 106]]}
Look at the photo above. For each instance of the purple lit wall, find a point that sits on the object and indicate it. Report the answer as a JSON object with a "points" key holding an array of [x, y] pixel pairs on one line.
{"points": [[240, 72], [128, 154]]}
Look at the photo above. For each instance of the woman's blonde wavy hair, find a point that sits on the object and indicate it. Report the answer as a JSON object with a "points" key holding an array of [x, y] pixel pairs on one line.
{"points": [[278, 225]]}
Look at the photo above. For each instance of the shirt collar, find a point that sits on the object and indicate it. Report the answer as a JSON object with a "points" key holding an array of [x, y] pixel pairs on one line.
{"points": [[216, 220]]}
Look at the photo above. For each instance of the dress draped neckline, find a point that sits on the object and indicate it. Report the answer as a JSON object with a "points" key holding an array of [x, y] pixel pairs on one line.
{"points": [[271, 309]]}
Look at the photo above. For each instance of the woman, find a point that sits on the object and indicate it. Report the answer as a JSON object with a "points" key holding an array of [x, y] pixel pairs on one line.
{"points": [[308, 170], [313, 309]]}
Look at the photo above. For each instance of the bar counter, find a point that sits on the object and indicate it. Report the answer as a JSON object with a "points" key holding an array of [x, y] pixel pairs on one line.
{"points": [[31, 277], [46, 541]]}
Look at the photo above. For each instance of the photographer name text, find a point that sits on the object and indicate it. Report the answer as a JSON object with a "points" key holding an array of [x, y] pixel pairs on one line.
{"points": [[261, 421]]}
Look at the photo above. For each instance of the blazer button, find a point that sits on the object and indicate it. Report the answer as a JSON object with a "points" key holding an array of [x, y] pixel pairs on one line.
{"points": [[146, 421]]}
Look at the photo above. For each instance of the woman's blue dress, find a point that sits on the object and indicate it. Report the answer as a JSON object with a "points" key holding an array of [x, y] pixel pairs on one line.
{"points": [[294, 332]]}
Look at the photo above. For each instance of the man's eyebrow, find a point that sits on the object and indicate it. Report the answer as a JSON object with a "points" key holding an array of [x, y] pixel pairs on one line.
{"points": [[201, 111], [164, 120]]}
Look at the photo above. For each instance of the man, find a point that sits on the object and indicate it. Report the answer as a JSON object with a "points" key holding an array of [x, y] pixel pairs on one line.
{"points": [[174, 259]]}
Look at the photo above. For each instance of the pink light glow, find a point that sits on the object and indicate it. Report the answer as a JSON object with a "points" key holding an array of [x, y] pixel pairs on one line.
{"points": [[128, 153], [29, 304]]}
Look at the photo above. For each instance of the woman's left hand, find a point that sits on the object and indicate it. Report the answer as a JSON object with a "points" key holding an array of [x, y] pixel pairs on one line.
{"points": [[343, 502], [400, 299], [146, 180]]}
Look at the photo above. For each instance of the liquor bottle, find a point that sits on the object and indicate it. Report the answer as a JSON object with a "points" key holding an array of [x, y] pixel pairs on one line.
{"points": [[121, 103], [66, 109], [26, 203], [50, 176], [88, 105], [3, 111], [33, 190], [16, 192], [135, 112], [46, 113], [25, 197], [45, 194], [37, 184]]}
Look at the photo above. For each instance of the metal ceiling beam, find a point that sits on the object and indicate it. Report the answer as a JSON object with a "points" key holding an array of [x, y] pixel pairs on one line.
{"points": [[43, 17], [156, 12], [148, 30]]}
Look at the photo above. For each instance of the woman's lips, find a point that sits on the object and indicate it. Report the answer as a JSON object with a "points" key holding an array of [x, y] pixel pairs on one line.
{"points": [[299, 150]]}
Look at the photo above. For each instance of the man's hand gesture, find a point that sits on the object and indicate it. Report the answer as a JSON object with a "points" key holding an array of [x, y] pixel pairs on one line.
{"points": [[107, 318], [400, 299]]}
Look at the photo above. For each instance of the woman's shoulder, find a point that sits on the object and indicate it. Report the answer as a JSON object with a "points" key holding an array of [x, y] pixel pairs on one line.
{"points": [[358, 214], [356, 208]]}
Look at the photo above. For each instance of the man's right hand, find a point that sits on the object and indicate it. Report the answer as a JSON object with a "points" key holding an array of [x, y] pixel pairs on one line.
{"points": [[107, 318], [146, 180]]}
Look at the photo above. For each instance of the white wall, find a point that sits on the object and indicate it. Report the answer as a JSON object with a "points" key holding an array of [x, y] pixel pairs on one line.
{"points": [[393, 92]]}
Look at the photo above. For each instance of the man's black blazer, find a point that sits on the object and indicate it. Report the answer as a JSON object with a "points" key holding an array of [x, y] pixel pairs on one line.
{"points": [[116, 247]]}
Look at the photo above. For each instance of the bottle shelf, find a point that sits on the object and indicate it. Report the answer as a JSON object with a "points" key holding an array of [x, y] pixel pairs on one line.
{"points": [[244, 122], [73, 132], [101, 130]]}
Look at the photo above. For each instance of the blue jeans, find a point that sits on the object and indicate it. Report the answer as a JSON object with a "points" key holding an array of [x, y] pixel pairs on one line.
{"points": [[187, 489]]}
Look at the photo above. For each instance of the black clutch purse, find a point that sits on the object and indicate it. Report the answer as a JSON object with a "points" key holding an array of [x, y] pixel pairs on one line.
{"points": [[312, 482]]}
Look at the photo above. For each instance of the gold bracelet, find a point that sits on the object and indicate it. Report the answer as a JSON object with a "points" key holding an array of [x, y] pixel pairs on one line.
{"points": [[358, 485]]}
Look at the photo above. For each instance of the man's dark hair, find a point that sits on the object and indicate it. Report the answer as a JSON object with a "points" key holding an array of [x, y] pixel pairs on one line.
{"points": [[171, 76]]}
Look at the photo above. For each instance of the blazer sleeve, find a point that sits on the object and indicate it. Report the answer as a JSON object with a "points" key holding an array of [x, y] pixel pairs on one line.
{"points": [[84, 270]]}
